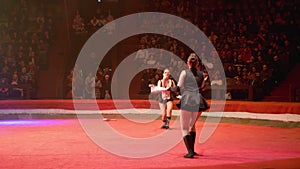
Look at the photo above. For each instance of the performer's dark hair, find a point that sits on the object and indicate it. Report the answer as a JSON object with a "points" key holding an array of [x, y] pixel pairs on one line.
{"points": [[193, 61]]}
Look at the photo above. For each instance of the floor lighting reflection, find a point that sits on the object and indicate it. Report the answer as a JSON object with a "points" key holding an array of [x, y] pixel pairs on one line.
{"points": [[30, 122]]}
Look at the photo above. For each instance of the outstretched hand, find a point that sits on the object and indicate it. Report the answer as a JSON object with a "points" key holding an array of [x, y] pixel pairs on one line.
{"points": [[151, 85]]}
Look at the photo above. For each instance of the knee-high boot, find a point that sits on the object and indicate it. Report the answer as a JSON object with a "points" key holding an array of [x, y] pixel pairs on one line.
{"points": [[164, 124], [188, 144], [167, 122], [193, 135]]}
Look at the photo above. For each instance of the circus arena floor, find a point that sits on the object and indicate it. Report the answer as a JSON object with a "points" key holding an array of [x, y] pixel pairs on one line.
{"points": [[47, 134]]}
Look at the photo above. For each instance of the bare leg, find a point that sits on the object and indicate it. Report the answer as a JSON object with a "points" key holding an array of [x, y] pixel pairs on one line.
{"points": [[163, 108], [187, 121], [197, 117], [169, 108], [184, 121], [193, 133]]}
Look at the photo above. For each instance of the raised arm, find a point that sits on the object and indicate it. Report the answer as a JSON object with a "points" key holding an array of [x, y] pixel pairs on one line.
{"points": [[159, 83], [205, 77]]}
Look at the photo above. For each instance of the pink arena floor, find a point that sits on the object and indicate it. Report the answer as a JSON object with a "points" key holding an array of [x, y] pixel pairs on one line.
{"points": [[63, 144]]}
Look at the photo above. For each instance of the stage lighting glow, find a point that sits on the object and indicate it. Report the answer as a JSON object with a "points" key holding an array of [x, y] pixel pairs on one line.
{"points": [[30, 122]]}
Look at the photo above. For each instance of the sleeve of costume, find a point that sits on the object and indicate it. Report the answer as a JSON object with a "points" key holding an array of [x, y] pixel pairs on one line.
{"points": [[180, 82], [181, 79]]}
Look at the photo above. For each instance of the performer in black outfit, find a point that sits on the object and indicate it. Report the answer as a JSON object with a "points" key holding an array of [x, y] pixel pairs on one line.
{"points": [[192, 103]]}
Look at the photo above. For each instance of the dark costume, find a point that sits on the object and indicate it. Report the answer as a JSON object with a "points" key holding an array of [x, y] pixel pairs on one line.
{"points": [[192, 99]]}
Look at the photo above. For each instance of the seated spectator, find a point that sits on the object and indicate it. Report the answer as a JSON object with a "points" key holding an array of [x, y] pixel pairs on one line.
{"points": [[5, 74], [107, 95], [215, 79], [78, 23], [102, 21], [112, 26], [76, 93], [239, 71], [98, 87], [107, 71], [213, 37], [75, 84], [252, 74], [257, 87], [100, 74], [89, 89], [145, 81], [42, 45], [245, 80], [4, 88], [106, 86], [266, 78], [226, 54], [20, 57], [239, 61], [245, 52], [94, 22], [25, 77], [229, 72], [68, 84], [47, 37], [238, 93], [245, 74], [251, 62], [141, 55], [155, 78], [26, 80], [32, 71], [16, 90], [277, 71], [10, 54]]}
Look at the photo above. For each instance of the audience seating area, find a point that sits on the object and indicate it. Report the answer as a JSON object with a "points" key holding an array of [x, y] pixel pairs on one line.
{"points": [[27, 31], [257, 42], [257, 48]]}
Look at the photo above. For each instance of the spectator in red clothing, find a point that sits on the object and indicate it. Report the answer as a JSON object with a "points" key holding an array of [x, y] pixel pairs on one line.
{"points": [[245, 52]]}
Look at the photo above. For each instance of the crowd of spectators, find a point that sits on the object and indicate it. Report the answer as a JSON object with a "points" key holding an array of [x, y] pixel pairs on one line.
{"points": [[87, 85], [82, 85], [82, 24], [255, 40], [26, 34]]}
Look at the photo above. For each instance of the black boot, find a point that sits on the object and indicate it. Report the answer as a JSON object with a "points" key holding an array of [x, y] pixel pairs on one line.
{"points": [[167, 122], [188, 144], [193, 135], [164, 124]]}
